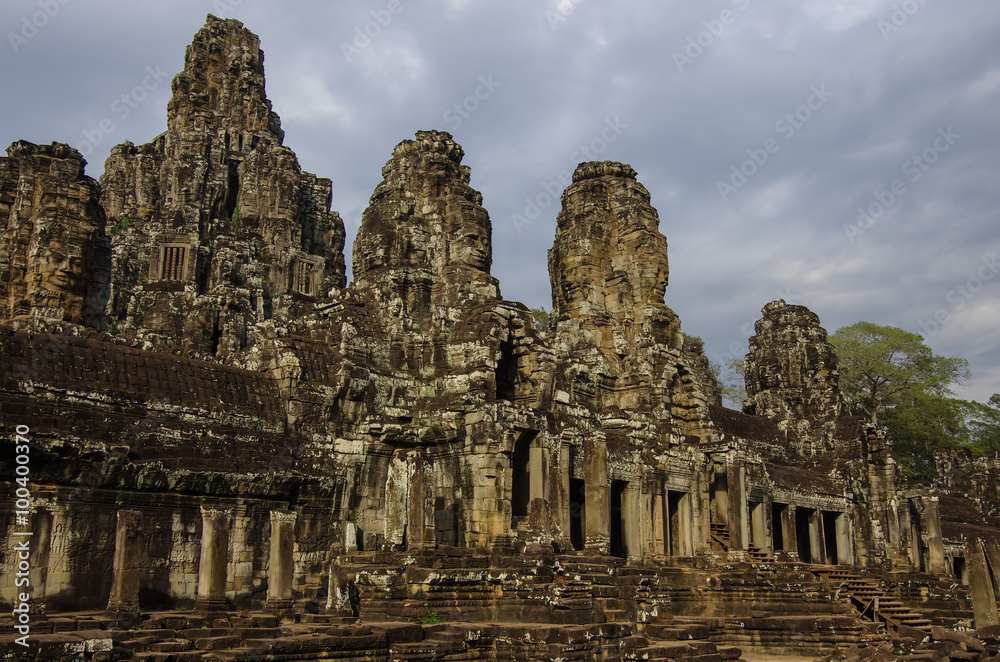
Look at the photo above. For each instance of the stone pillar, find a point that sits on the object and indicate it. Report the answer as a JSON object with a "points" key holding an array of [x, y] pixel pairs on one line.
{"points": [[935, 544], [563, 505], [215, 523], [598, 497], [397, 496], [767, 516], [124, 600], [739, 531], [57, 575], [660, 525], [984, 601], [632, 521], [845, 541], [758, 527], [539, 515], [817, 546], [686, 529], [40, 548], [892, 517], [421, 509], [281, 564], [790, 530]]}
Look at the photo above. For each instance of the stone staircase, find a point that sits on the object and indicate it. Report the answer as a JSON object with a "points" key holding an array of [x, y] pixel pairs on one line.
{"points": [[874, 604], [254, 637], [718, 536]]}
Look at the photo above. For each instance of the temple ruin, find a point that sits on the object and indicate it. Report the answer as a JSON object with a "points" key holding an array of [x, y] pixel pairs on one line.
{"points": [[236, 455]]}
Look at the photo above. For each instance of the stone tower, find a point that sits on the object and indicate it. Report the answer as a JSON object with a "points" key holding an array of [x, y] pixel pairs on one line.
{"points": [[56, 260], [214, 223], [425, 239], [608, 268], [791, 375]]}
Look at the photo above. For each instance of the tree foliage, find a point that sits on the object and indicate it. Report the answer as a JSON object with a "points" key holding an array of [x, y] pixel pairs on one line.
{"points": [[881, 366], [921, 423], [734, 386], [891, 377], [541, 317], [984, 425]]}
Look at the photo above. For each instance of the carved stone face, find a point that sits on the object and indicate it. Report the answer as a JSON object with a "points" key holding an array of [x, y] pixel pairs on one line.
{"points": [[470, 247], [59, 271]]}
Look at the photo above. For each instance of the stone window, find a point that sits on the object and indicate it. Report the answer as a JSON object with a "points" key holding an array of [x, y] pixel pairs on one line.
{"points": [[305, 277], [173, 262]]}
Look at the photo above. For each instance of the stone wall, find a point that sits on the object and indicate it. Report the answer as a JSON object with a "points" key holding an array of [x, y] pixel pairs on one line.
{"points": [[281, 434]]}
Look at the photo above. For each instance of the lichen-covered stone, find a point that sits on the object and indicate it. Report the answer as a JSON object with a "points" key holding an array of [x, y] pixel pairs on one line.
{"points": [[411, 443], [792, 376], [214, 224], [54, 255]]}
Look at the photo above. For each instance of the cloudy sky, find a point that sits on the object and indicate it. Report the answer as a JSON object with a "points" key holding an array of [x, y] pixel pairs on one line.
{"points": [[843, 155]]}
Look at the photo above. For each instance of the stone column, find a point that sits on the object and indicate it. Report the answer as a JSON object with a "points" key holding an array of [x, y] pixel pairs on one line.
{"points": [[124, 600], [935, 544], [769, 523], [539, 514], [40, 548], [397, 496], [984, 601], [598, 497], [215, 523], [660, 525], [817, 546], [845, 541], [281, 565], [687, 529], [739, 531], [632, 521], [562, 504], [790, 530], [757, 527]]}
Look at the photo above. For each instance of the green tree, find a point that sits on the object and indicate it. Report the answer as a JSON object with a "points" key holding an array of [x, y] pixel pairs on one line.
{"points": [[984, 425], [734, 387], [542, 319], [882, 366], [921, 423]]}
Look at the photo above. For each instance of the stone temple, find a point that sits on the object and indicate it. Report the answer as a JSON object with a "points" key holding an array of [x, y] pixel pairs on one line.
{"points": [[235, 455]]}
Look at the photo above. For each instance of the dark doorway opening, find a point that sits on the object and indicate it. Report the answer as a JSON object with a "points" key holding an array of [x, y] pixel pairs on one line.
{"points": [[506, 371], [802, 516], [521, 478], [830, 536], [617, 523], [778, 514], [675, 545], [577, 509], [960, 570]]}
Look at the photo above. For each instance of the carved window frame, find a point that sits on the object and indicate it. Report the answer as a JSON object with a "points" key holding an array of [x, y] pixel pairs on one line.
{"points": [[305, 276], [167, 266]]}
